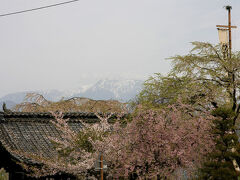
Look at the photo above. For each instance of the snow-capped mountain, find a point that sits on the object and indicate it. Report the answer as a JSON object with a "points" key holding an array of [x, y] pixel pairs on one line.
{"points": [[122, 90]]}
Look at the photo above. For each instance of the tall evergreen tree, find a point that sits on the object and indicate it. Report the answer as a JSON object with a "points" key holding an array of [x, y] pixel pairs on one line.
{"points": [[221, 163]]}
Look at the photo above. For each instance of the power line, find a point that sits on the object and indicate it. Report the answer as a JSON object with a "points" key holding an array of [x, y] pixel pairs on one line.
{"points": [[39, 8]]}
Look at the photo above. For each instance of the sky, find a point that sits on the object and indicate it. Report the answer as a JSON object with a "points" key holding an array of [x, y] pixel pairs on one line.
{"points": [[68, 46]]}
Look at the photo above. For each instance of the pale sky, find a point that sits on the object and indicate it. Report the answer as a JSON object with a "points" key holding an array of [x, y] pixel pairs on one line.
{"points": [[79, 43]]}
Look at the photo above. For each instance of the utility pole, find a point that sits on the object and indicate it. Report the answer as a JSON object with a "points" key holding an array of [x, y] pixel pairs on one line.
{"points": [[101, 166], [229, 29]]}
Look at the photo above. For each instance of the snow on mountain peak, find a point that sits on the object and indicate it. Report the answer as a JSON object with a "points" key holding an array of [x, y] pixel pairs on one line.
{"points": [[124, 89], [117, 89]]}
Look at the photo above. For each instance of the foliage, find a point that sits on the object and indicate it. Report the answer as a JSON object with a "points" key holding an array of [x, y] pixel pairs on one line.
{"points": [[152, 143], [37, 103], [204, 78], [156, 143], [207, 80], [3, 174], [223, 162]]}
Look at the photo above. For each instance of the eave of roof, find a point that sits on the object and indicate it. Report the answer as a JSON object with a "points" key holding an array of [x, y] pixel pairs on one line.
{"points": [[46, 116], [30, 131]]}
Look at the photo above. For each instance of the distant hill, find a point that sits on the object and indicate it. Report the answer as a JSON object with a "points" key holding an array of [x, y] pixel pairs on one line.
{"points": [[12, 99], [10, 104], [15, 98], [121, 90]]}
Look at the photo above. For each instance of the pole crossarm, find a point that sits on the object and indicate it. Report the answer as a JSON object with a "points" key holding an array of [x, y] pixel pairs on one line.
{"points": [[226, 26]]}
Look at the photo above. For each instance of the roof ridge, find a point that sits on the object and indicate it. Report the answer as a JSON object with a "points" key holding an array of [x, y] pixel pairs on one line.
{"points": [[48, 115]]}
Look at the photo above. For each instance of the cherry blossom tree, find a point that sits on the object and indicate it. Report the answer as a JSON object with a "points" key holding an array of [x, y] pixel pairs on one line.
{"points": [[151, 143], [148, 144], [158, 143]]}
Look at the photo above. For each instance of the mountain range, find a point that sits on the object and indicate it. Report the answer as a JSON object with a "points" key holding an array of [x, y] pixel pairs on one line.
{"points": [[121, 90]]}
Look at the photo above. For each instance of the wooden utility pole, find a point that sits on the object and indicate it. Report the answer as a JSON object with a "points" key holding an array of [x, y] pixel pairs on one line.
{"points": [[229, 28], [101, 166]]}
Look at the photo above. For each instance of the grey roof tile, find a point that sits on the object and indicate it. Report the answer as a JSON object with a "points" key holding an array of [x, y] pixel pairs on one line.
{"points": [[30, 132]]}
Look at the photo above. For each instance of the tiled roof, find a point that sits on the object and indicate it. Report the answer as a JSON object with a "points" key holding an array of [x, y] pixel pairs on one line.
{"points": [[30, 132]]}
